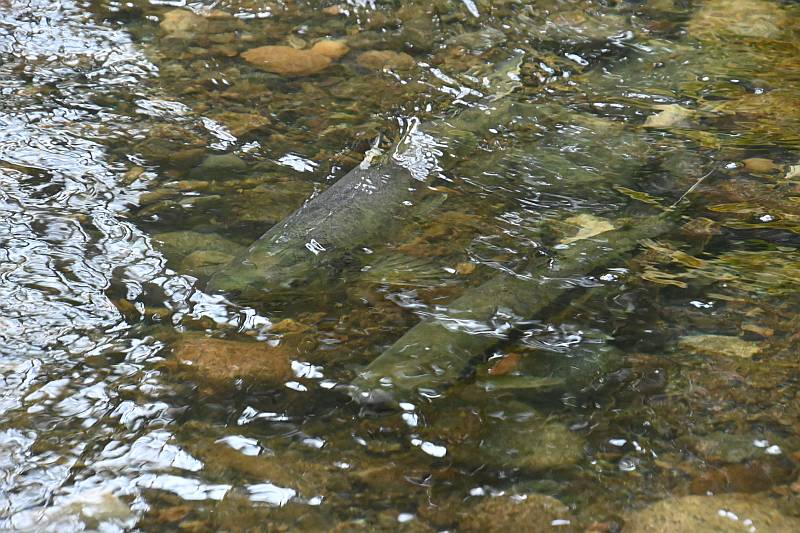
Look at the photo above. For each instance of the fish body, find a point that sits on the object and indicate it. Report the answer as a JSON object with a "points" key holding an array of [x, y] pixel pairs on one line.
{"points": [[439, 349], [362, 206], [293, 249]]}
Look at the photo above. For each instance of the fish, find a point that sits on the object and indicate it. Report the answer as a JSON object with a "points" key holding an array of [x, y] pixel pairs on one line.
{"points": [[437, 351], [364, 205]]}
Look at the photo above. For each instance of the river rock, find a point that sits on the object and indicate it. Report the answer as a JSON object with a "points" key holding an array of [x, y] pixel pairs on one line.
{"points": [[380, 59], [179, 244], [286, 61], [478, 41], [726, 513], [719, 345], [531, 513], [741, 18], [331, 48], [670, 116], [288, 470], [240, 124], [205, 262], [183, 23], [219, 166], [532, 445], [223, 361], [760, 165], [726, 447]]}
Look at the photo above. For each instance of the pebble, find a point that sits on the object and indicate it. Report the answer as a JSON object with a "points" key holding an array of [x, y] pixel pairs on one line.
{"points": [[760, 165], [380, 59], [670, 116], [182, 22], [225, 360], [330, 48], [286, 61], [719, 345]]}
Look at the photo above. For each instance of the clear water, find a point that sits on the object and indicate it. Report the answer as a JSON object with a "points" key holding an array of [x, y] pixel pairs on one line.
{"points": [[140, 154]]}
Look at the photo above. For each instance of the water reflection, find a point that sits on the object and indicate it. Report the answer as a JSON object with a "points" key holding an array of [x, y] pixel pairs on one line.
{"points": [[82, 414]]}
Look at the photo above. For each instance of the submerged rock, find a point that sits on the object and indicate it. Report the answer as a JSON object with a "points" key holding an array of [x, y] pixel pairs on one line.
{"points": [[331, 48], [740, 18], [531, 513], [726, 513], [380, 59], [240, 124], [760, 165], [670, 116], [225, 360], [726, 447], [478, 41], [287, 470], [94, 509], [219, 166], [183, 23], [179, 244], [531, 445], [719, 345], [286, 61], [205, 262]]}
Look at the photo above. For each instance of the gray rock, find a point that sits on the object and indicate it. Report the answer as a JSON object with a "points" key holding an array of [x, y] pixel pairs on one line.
{"points": [[177, 245], [533, 445], [219, 167]]}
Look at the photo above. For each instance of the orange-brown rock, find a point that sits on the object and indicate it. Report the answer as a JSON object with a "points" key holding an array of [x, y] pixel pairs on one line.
{"points": [[286, 61], [331, 48], [760, 165], [225, 360], [379, 59]]}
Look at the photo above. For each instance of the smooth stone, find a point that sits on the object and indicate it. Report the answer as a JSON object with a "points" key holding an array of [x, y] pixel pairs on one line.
{"points": [[760, 165], [183, 23], [186, 159], [240, 124], [331, 48], [220, 360], [719, 345], [205, 262], [380, 59], [478, 41], [179, 244], [670, 116], [286, 61], [725, 513], [726, 447], [219, 166], [533, 445], [531, 513]]}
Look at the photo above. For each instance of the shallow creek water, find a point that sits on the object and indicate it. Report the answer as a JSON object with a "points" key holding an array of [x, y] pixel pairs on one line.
{"points": [[581, 315]]}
